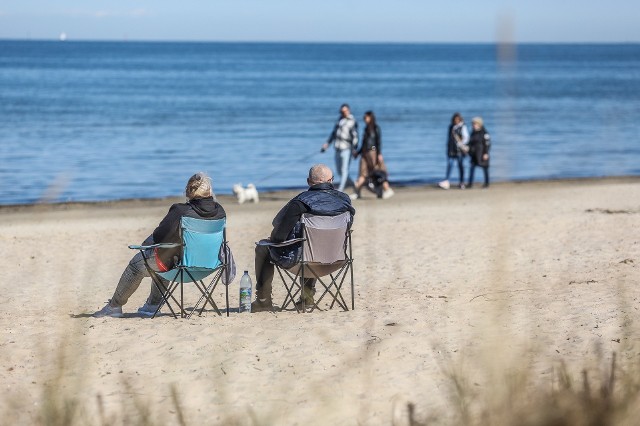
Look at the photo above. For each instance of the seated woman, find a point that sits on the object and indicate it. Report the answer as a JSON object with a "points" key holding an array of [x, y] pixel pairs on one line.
{"points": [[201, 204]]}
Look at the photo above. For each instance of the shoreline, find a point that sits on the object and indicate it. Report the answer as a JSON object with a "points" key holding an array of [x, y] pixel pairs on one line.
{"points": [[290, 192]]}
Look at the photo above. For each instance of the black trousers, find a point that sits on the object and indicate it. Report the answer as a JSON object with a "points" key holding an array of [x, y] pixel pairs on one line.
{"points": [[264, 273], [486, 174]]}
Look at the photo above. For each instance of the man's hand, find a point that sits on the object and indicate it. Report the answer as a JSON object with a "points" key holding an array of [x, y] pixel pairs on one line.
{"points": [[485, 157], [324, 147]]}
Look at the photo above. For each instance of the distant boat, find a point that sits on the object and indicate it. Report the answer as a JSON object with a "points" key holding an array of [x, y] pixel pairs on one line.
{"points": [[63, 36]]}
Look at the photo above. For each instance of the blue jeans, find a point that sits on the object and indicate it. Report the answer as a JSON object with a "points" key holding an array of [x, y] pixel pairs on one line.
{"points": [[450, 163], [343, 161]]}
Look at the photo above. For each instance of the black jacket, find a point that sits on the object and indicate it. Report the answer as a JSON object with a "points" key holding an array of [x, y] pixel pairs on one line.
{"points": [[321, 200], [479, 144], [371, 139], [452, 143], [168, 231]]}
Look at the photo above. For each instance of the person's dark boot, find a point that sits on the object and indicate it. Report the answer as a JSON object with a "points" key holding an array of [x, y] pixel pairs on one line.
{"points": [[261, 304], [307, 297]]}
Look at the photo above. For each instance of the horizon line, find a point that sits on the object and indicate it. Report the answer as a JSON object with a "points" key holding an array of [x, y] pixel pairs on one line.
{"points": [[127, 40]]}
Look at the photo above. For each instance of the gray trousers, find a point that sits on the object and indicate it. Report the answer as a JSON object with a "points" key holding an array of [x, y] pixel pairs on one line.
{"points": [[132, 277]]}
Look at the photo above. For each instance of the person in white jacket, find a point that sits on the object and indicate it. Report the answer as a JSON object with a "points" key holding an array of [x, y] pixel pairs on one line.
{"points": [[345, 139]]}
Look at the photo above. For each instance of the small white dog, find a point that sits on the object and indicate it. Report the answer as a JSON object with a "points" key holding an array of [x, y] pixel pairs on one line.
{"points": [[250, 193]]}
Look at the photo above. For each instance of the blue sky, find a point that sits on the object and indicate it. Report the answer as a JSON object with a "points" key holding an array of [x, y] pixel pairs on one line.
{"points": [[324, 20]]}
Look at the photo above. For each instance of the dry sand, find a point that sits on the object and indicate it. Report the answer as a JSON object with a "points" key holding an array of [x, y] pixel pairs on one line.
{"points": [[477, 281]]}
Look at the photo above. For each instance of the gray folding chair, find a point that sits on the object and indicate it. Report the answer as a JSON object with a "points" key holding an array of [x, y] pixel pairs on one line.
{"points": [[326, 256]]}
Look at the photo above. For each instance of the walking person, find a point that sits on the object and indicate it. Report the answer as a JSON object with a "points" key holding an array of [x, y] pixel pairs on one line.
{"points": [[372, 167], [456, 149], [479, 145], [345, 138]]}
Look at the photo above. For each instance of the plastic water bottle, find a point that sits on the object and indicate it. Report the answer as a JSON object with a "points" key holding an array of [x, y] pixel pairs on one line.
{"points": [[245, 293]]}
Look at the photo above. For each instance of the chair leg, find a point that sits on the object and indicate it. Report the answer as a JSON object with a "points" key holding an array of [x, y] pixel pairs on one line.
{"points": [[226, 291], [342, 273], [205, 293], [291, 294], [165, 292]]}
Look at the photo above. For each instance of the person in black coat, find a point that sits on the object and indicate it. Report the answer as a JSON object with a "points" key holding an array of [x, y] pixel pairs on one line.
{"points": [[372, 167], [479, 145], [201, 204]]}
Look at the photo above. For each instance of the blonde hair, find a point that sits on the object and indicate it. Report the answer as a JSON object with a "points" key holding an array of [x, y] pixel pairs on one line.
{"points": [[477, 120], [199, 186]]}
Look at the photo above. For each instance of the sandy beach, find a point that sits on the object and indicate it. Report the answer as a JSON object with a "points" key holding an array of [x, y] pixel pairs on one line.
{"points": [[522, 275]]}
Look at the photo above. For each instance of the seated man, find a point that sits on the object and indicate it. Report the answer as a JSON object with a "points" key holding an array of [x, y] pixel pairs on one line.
{"points": [[201, 204], [320, 199]]}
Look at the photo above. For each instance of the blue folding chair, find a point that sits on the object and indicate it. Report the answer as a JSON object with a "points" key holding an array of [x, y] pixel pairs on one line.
{"points": [[204, 252]]}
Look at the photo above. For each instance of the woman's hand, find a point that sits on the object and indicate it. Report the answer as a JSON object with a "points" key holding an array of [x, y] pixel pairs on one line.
{"points": [[485, 157]]}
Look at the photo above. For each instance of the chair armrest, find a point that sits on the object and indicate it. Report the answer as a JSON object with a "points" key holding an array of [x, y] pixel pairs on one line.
{"points": [[282, 244], [159, 245]]}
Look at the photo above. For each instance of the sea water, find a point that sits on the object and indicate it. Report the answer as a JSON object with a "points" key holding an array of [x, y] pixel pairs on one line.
{"points": [[83, 121]]}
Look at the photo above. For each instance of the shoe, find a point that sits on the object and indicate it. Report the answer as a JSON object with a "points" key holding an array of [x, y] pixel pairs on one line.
{"points": [[261, 305], [387, 194], [486, 185], [109, 311], [148, 310], [354, 196], [307, 294], [461, 186], [444, 184]]}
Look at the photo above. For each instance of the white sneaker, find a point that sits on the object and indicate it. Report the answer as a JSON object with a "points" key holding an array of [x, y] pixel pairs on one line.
{"points": [[444, 184], [109, 311], [353, 196], [387, 194], [148, 310]]}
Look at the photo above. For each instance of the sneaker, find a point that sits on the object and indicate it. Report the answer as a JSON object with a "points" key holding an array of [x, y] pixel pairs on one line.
{"points": [[109, 311], [307, 294], [387, 194], [461, 186], [261, 305], [148, 310], [354, 196], [444, 184]]}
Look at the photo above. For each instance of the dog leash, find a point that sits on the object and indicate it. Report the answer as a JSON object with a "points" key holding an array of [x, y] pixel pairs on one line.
{"points": [[277, 172]]}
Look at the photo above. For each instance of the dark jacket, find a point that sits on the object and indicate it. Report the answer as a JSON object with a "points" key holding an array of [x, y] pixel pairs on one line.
{"points": [[168, 231], [371, 140], [479, 144], [459, 132], [321, 200]]}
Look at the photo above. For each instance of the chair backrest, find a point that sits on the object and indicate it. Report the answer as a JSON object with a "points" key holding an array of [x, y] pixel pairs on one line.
{"points": [[202, 240], [325, 237]]}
